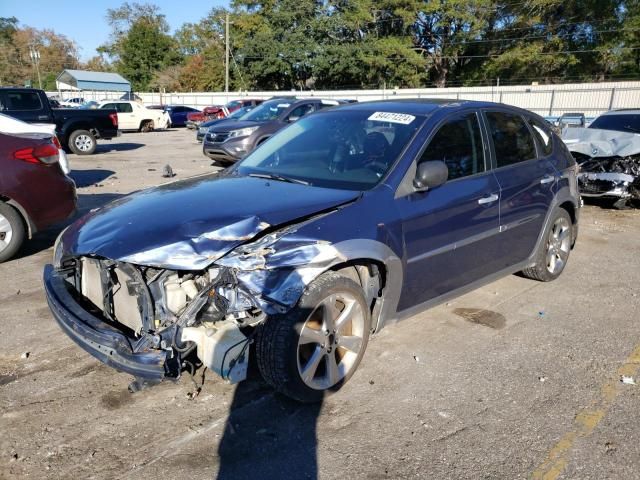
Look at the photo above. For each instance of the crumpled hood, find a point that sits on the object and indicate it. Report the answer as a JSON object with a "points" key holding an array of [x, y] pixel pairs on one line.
{"points": [[190, 224], [595, 142]]}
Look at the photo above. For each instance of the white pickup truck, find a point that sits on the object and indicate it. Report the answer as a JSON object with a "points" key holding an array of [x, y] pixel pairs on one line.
{"points": [[134, 116]]}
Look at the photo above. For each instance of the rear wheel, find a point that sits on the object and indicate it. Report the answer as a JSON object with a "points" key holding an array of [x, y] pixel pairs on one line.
{"points": [[316, 347], [12, 232], [82, 142], [553, 252]]}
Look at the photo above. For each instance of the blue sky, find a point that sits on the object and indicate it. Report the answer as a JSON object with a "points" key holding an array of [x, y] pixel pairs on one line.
{"points": [[84, 21]]}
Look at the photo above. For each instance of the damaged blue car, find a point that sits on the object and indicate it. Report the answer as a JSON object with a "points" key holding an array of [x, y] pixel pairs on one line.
{"points": [[345, 221]]}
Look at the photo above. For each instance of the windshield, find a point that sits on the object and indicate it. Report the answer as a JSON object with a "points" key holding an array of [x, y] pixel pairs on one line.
{"points": [[350, 150], [240, 112], [621, 123], [268, 110]]}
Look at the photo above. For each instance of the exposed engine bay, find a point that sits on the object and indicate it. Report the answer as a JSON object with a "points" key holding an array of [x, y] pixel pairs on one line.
{"points": [[178, 312], [214, 312], [609, 163]]}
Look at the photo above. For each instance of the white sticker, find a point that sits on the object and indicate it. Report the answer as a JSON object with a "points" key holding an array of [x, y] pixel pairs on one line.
{"points": [[403, 118], [284, 105], [329, 102]]}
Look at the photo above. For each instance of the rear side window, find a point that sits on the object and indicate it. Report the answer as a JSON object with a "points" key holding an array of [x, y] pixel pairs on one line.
{"points": [[458, 143], [512, 140], [544, 136], [23, 101], [124, 107]]}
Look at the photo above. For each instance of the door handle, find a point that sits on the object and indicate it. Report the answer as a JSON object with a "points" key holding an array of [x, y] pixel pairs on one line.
{"points": [[43, 117], [490, 199], [547, 179]]}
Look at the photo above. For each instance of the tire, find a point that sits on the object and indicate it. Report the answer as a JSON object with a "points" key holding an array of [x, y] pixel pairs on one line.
{"points": [[553, 252], [282, 359], [147, 126], [12, 231], [82, 142]]}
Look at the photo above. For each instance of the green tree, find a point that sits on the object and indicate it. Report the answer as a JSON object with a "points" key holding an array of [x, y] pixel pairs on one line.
{"points": [[144, 51]]}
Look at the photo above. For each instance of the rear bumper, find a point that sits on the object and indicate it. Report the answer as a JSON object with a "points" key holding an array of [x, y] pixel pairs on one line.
{"points": [[107, 344]]}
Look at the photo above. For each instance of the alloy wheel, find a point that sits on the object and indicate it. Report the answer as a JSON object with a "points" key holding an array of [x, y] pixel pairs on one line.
{"points": [[330, 341], [558, 245], [6, 232]]}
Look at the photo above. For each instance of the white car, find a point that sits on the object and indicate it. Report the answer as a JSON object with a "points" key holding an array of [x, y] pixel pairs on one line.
{"points": [[71, 102], [134, 116]]}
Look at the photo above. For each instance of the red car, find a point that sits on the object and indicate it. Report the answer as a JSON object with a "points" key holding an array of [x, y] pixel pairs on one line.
{"points": [[34, 191], [215, 112]]}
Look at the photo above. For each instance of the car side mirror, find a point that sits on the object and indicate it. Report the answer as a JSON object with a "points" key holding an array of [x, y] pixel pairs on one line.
{"points": [[293, 119], [430, 175]]}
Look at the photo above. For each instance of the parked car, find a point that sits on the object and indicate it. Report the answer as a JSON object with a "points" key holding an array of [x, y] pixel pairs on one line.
{"points": [[134, 116], [228, 143], [343, 222], [72, 102], [35, 192], [572, 120], [217, 112], [608, 153], [77, 130], [194, 119], [178, 113], [236, 115]]}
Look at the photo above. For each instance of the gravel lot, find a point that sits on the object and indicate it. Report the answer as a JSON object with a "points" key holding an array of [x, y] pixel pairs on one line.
{"points": [[528, 387]]}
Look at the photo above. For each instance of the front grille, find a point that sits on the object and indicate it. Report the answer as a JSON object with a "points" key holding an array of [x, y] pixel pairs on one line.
{"points": [[218, 137]]}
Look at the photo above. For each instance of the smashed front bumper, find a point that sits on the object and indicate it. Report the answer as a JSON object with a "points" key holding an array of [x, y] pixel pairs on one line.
{"points": [[605, 184], [106, 343]]}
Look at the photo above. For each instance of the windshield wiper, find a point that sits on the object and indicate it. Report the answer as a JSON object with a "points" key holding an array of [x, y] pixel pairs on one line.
{"points": [[279, 178]]}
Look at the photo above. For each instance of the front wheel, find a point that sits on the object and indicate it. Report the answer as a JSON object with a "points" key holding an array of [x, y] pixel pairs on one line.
{"points": [[553, 253], [317, 346], [82, 142]]}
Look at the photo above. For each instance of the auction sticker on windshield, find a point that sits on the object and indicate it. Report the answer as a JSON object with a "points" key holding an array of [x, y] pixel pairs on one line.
{"points": [[403, 118]]}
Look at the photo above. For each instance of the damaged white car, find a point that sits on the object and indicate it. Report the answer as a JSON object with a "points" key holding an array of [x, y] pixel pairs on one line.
{"points": [[608, 153]]}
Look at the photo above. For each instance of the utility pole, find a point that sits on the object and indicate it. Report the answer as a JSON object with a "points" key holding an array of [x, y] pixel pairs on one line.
{"points": [[35, 58], [226, 56]]}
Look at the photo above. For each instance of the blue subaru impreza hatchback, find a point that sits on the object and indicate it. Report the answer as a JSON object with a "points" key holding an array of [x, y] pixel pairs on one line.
{"points": [[346, 220]]}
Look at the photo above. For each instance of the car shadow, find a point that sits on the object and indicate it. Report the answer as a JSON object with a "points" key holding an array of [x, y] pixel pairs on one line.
{"points": [[86, 178], [267, 435], [46, 238], [117, 147]]}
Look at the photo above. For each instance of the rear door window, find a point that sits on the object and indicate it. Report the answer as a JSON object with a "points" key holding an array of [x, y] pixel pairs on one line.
{"points": [[23, 101], [512, 140], [124, 108], [458, 143]]}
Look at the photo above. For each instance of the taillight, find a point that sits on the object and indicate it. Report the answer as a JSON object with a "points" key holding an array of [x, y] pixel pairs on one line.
{"points": [[56, 142], [41, 154], [114, 119]]}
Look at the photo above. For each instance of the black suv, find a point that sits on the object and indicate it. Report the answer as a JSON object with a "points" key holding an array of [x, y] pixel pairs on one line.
{"points": [[229, 143]]}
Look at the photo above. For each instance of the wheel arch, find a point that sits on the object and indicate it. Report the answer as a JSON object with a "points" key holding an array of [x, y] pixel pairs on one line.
{"points": [[26, 219], [374, 263]]}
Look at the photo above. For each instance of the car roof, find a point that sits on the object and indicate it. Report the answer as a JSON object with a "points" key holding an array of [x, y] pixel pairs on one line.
{"points": [[623, 111], [423, 106]]}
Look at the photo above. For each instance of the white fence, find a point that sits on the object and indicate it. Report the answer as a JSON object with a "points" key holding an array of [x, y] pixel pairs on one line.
{"points": [[547, 100]]}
